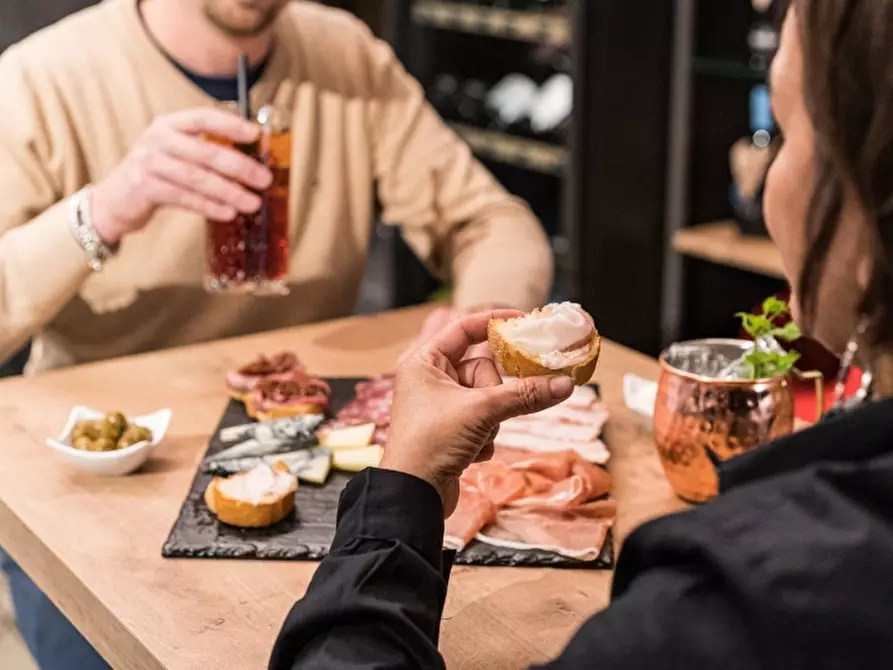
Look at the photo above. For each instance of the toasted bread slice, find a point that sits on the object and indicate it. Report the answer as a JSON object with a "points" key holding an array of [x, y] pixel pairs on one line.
{"points": [[281, 412], [518, 362], [237, 395], [262, 508]]}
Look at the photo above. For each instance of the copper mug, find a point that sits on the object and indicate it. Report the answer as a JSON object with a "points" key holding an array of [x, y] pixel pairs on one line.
{"points": [[700, 418]]}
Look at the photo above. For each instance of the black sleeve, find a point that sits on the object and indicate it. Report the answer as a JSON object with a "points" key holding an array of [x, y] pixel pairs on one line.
{"points": [[674, 607], [377, 599]]}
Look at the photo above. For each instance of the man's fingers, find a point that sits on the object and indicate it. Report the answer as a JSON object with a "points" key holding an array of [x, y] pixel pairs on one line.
{"points": [[221, 159], [526, 396], [205, 182], [165, 193], [454, 340], [217, 122]]}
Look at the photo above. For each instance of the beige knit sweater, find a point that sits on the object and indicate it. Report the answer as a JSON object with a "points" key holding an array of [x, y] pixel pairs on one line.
{"points": [[78, 94]]}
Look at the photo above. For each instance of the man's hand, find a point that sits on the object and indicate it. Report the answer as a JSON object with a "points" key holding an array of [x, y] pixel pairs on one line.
{"points": [[447, 408], [172, 165]]}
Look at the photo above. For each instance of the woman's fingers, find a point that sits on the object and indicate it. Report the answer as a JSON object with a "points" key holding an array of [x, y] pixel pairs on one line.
{"points": [[478, 373], [486, 453], [525, 396]]}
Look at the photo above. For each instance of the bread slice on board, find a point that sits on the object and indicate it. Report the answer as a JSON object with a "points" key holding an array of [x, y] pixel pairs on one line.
{"points": [[270, 509]]}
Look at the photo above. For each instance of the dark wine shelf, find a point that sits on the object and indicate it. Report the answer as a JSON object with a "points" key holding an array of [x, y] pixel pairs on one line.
{"points": [[515, 25], [529, 154], [728, 69]]}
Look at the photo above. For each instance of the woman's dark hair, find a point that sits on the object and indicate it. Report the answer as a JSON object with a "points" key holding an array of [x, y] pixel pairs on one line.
{"points": [[848, 86]]}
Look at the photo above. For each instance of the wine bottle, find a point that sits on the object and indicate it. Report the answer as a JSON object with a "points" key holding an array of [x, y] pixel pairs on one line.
{"points": [[552, 109], [442, 95], [510, 100], [762, 37], [469, 102]]}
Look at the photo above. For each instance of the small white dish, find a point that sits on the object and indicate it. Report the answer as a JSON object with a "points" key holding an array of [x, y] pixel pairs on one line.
{"points": [[639, 394], [110, 463]]}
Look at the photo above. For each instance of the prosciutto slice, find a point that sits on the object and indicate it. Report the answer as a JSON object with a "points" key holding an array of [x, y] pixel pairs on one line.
{"points": [[500, 498], [577, 533], [474, 511], [575, 424], [246, 378], [594, 452]]}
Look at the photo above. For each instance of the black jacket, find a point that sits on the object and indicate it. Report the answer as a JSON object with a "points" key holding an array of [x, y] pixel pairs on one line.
{"points": [[791, 567]]}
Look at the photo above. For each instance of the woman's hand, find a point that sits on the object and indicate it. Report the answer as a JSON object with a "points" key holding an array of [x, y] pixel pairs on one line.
{"points": [[440, 318], [447, 408]]}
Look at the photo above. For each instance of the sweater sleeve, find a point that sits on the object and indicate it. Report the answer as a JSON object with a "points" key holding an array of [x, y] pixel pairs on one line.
{"points": [[41, 265], [453, 213]]}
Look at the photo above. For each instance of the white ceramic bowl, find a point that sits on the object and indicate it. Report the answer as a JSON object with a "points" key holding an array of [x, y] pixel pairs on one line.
{"points": [[110, 463]]}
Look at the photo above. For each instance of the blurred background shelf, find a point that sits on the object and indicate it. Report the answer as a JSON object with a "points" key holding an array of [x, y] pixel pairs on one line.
{"points": [[517, 151], [510, 24], [723, 244], [730, 69]]}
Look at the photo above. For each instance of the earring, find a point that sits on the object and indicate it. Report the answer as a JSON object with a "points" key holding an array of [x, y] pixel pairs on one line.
{"points": [[846, 365]]}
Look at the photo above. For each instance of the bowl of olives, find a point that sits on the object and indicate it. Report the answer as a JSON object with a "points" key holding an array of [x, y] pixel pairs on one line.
{"points": [[109, 443]]}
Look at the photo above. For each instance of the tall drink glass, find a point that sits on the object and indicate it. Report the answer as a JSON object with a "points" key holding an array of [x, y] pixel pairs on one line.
{"points": [[250, 253]]}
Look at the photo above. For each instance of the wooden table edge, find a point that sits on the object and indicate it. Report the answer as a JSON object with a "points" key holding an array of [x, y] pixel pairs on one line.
{"points": [[119, 646]]}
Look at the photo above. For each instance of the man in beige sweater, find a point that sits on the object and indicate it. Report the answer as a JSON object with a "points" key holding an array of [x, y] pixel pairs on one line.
{"points": [[118, 97], [105, 183]]}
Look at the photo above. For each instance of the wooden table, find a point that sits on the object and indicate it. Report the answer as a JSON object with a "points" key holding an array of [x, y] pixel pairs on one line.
{"points": [[94, 545]]}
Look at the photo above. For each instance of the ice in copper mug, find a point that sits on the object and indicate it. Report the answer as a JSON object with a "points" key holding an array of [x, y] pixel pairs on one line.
{"points": [[250, 253]]}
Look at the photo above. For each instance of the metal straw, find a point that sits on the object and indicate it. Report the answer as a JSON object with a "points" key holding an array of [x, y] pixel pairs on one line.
{"points": [[244, 102]]}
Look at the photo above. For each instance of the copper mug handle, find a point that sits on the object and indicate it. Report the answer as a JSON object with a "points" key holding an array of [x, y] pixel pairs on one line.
{"points": [[819, 380]]}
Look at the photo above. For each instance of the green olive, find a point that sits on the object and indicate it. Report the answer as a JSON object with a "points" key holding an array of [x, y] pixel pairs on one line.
{"points": [[116, 419], [83, 443], [134, 435], [88, 429], [104, 444], [110, 430]]}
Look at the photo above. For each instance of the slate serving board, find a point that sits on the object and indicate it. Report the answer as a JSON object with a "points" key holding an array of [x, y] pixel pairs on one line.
{"points": [[307, 535]]}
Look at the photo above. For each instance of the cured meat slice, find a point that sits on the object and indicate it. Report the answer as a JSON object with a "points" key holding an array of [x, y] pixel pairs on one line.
{"points": [[577, 533], [594, 452], [555, 430], [474, 511], [520, 480], [583, 397], [290, 395], [372, 404], [242, 381], [594, 416]]}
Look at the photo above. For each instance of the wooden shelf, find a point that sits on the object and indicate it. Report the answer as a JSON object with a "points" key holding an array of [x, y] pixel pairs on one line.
{"points": [[723, 244], [728, 69], [528, 154], [514, 25]]}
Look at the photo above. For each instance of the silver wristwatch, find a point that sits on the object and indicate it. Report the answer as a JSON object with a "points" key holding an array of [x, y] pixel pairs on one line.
{"points": [[81, 225]]}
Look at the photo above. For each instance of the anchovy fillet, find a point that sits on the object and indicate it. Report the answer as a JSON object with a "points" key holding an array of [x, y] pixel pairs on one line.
{"points": [[295, 461], [250, 448], [274, 431]]}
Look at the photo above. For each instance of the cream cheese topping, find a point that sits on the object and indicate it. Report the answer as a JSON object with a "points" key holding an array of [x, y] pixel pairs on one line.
{"points": [[559, 335], [256, 484]]}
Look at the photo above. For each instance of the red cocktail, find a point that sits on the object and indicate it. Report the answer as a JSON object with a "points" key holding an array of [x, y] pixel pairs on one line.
{"points": [[250, 253]]}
